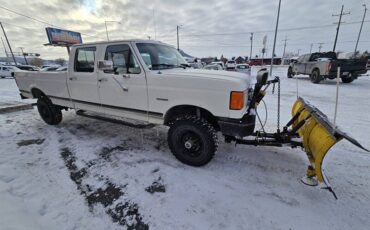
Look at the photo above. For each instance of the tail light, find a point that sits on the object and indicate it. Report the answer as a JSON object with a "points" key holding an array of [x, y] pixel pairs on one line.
{"points": [[328, 68]]}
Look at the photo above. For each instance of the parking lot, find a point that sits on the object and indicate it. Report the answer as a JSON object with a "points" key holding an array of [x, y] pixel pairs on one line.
{"points": [[89, 174]]}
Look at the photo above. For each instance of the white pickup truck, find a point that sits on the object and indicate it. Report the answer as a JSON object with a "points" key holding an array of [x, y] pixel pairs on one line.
{"points": [[150, 82]]}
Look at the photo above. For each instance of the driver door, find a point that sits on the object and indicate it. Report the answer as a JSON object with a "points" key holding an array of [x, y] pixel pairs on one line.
{"points": [[123, 91]]}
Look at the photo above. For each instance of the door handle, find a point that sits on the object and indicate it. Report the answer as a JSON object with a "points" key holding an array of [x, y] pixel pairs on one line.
{"points": [[125, 89], [126, 75], [72, 78], [102, 80]]}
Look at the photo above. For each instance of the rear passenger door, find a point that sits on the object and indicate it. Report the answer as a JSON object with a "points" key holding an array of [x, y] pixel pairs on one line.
{"points": [[82, 79]]}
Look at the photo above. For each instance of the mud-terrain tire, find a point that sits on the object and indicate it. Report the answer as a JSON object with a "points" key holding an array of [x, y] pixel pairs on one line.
{"points": [[290, 73], [348, 79], [192, 140], [50, 113], [315, 76]]}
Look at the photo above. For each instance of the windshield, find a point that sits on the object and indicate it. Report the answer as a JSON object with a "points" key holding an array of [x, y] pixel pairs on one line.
{"points": [[157, 56]]}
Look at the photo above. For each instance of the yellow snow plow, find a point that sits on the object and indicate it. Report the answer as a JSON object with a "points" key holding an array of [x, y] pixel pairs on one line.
{"points": [[318, 135], [308, 128]]}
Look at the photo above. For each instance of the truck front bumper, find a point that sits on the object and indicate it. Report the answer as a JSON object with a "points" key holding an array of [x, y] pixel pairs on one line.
{"points": [[237, 127]]}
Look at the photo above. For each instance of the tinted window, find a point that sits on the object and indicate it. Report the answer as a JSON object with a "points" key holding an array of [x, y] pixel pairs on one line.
{"points": [[85, 59], [122, 58]]}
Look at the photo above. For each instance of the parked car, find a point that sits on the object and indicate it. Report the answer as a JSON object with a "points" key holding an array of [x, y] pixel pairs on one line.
{"points": [[196, 65], [368, 64], [7, 71], [106, 80], [28, 67], [320, 66], [230, 64], [243, 68], [63, 68], [220, 63], [50, 68], [213, 67]]}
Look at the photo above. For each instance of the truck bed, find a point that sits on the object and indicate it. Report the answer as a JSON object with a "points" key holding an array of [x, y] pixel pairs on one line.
{"points": [[349, 65], [51, 83]]}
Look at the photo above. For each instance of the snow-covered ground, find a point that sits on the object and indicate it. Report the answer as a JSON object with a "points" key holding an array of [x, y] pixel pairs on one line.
{"points": [[88, 174]]}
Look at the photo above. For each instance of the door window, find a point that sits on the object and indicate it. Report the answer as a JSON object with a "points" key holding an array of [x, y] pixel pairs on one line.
{"points": [[85, 59], [123, 59]]}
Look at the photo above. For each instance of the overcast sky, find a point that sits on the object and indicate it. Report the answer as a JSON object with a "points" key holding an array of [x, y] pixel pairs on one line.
{"points": [[209, 28]]}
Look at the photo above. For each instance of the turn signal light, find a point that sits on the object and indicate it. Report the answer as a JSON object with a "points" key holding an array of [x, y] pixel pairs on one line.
{"points": [[236, 100]]}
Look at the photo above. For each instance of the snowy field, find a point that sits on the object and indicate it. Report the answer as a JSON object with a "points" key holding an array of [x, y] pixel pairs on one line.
{"points": [[88, 174]]}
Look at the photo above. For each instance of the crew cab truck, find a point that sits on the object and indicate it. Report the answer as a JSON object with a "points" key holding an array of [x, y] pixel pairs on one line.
{"points": [[149, 82], [320, 66]]}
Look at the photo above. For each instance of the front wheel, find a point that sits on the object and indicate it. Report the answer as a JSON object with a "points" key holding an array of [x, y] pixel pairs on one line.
{"points": [[315, 76], [50, 113], [192, 140]]}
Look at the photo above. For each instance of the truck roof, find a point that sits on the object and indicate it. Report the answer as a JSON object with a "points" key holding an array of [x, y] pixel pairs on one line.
{"points": [[119, 41]]}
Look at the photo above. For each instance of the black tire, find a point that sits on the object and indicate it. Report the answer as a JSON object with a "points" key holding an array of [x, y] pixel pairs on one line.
{"points": [[192, 140], [315, 76], [290, 73], [348, 79], [50, 113]]}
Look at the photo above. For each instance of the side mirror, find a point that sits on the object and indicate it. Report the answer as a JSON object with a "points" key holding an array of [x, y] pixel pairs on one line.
{"points": [[262, 76], [105, 65]]}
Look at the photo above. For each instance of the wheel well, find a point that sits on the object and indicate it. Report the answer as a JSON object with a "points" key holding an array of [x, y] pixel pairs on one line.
{"points": [[190, 110], [36, 93], [314, 69]]}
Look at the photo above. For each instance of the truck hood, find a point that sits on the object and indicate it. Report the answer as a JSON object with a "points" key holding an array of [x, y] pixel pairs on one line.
{"points": [[219, 75]]}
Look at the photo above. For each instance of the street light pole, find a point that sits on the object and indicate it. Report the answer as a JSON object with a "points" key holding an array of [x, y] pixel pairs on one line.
{"points": [[250, 55], [285, 40], [359, 33], [276, 29], [177, 32], [10, 48], [106, 28]]}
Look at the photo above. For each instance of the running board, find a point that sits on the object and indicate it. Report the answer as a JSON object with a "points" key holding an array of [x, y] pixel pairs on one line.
{"points": [[114, 120]]}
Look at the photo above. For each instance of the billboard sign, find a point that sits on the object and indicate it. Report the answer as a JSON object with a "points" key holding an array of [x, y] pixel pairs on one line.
{"points": [[61, 37]]}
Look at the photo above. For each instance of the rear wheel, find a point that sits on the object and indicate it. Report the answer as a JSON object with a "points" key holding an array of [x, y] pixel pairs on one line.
{"points": [[348, 78], [290, 73], [192, 140], [50, 113], [315, 76]]}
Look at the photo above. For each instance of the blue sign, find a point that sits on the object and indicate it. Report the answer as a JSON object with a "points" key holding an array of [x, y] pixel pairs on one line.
{"points": [[63, 37]]}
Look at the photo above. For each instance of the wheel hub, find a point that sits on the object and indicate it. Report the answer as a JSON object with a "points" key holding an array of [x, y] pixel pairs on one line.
{"points": [[188, 144]]}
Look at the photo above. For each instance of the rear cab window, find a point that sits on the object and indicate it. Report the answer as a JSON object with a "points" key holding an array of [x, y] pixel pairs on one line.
{"points": [[85, 59]]}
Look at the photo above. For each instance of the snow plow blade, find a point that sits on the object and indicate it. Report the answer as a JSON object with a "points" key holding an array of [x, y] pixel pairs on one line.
{"points": [[318, 135]]}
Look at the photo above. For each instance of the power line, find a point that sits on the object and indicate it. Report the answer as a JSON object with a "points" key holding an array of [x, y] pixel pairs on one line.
{"points": [[267, 31], [39, 20]]}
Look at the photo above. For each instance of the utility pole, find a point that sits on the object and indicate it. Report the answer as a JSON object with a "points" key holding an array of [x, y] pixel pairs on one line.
{"points": [[359, 33], [320, 46], [273, 48], [250, 54], [285, 40], [311, 48], [25, 59], [340, 20], [10, 48], [177, 31]]}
